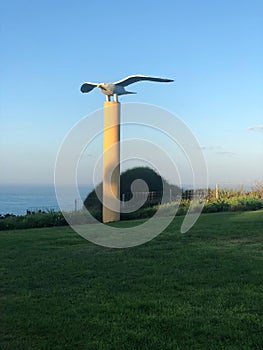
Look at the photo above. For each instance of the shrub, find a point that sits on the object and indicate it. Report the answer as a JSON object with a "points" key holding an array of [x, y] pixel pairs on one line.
{"points": [[239, 203], [33, 220]]}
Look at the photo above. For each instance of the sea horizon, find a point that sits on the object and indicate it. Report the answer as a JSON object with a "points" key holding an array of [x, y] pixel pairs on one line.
{"points": [[17, 199]]}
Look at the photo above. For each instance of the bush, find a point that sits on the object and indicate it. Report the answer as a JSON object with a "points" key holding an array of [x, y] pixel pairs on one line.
{"points": [[154, 182], [32, 220], [240, 203]]}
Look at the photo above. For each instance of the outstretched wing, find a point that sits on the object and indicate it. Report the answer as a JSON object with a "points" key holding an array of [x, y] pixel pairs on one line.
{"points": [[87, 87], [135, 78]]}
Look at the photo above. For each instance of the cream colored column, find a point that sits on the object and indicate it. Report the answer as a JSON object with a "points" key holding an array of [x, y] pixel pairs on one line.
{"points": [[111, 162]]}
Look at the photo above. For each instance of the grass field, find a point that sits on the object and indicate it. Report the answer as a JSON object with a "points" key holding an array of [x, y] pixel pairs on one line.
{"points": [[200, 290]]}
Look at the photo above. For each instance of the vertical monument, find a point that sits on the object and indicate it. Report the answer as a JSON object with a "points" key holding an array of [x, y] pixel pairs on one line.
{"points": [[111, 162], [111, 148]]}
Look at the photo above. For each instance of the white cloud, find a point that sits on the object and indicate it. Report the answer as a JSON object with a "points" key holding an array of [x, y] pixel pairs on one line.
{"points": [[217, 150], [210, 148], [226, 153], [256, 128]]}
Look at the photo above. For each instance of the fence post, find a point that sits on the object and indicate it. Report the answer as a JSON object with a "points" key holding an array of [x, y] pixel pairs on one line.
{"points": [[123, 199], [75, 204], [217, 191]]}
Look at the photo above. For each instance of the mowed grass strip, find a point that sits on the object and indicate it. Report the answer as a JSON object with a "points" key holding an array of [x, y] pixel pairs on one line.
{"points": [[199, 290]]}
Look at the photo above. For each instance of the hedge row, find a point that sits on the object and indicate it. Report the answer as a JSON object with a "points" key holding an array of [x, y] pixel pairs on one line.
{"points": [[242, 203], [42, 219]]}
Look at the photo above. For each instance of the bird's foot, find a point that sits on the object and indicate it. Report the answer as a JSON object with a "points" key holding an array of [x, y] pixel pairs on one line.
{"points": [[115, 97], [107, 98]]}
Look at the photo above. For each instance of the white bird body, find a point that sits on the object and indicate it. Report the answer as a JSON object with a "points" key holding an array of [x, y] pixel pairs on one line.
{"points": [[117, 88], [110, 89]]}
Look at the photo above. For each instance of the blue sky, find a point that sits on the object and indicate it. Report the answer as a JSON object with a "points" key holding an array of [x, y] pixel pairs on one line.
{"points": [[213, 50]]}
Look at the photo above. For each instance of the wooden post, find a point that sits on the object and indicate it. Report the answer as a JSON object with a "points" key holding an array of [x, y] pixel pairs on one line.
{"points": [[111, 162], [217, 191]]}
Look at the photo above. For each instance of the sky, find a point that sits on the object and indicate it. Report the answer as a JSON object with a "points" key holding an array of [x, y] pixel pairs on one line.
{"points": [[212, 49]]}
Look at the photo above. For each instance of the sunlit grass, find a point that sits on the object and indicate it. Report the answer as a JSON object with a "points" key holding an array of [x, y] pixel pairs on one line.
{"points": [[200, 290]]}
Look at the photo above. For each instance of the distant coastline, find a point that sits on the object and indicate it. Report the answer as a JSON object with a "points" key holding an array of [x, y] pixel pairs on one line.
{"points": [[17, 199]]}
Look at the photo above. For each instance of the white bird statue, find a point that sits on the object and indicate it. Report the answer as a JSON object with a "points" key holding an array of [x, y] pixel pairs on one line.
{"points": [[117, 88]]}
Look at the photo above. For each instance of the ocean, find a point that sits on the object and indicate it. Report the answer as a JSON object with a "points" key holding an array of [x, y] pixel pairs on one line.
{"points": [[17, 199]]}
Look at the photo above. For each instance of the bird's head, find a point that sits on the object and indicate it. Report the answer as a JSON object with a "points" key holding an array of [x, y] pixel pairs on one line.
{"points": [[101, 86]]}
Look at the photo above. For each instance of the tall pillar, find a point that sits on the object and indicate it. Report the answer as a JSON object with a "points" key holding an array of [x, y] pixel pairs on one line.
{"points": [[111, 162]]}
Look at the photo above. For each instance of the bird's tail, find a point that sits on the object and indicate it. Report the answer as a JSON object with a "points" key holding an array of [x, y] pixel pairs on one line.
{"points": [[130, 92]]}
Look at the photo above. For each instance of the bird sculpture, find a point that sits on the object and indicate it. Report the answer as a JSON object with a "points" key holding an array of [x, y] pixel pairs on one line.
{"points": [[118, 88]]}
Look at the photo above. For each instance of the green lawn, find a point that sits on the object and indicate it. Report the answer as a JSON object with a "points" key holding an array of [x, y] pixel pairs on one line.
{"points": [[199, 290]]}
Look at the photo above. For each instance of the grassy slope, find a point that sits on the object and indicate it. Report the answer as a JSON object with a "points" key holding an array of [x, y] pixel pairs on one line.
{"points": [[200, 290]]}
